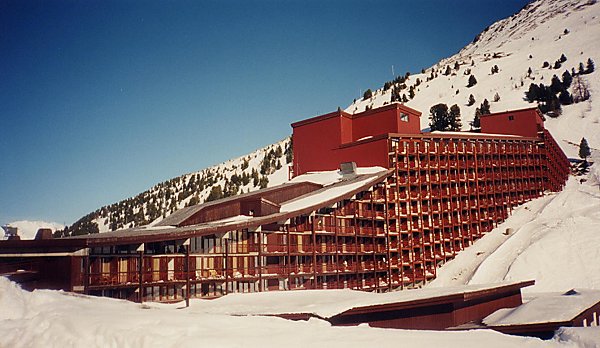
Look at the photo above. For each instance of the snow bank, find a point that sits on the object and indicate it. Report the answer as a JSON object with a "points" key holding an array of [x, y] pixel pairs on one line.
{"points": [[583, 337]]}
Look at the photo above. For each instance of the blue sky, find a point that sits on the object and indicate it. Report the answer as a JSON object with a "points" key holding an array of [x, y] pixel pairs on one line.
{"points": [[100, 100]]}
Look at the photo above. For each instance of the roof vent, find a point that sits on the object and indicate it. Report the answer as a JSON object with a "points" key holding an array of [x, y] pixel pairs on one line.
{"points": [[10, 233], [348, 169], [571, 292]]}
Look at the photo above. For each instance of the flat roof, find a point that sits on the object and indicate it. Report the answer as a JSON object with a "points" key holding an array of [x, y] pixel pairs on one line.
{"points": [[330, 303], [512, 111], [546, 308], [339, 113]]}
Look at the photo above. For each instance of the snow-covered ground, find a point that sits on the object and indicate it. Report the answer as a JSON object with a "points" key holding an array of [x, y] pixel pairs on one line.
{"points": [[46, 318]]}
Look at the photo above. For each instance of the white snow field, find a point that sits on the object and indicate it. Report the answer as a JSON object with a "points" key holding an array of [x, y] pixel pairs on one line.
{"points": [[46, 318]]}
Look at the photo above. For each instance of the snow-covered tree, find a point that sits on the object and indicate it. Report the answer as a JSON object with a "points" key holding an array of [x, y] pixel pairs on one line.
{"points": [[584, 149]]}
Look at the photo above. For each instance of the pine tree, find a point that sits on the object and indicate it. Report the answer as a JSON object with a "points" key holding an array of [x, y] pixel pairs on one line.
{"points": [[368, 94], [448, 70], [533, 93], [471, 100], [496, 97], [590, 66], [562, 58], [557, 64], [584, 149], [551, 107], [264, 181], [565, 98], [477, 119], [567, 79], [556, 85], [438, 116], [485, 107], [581, 69], [454, 120], [472, 81], [216, 192]]}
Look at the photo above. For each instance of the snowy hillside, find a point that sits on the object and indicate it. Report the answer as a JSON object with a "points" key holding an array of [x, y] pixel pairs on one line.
{"points": [[539, 33], [28, 229], [264, 167]]}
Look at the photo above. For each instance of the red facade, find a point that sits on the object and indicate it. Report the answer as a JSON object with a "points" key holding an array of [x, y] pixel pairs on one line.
{"points": [[525, 122], [325, 141]]}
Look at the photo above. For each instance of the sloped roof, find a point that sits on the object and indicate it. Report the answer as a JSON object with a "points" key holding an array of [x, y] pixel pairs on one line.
{"points": [[331, 303], [183, 214], [327, 195]]}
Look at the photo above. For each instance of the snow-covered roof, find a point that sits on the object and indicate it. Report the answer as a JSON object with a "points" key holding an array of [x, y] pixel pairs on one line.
{"points": [[474, 134], [547, 308], [330, 187], [328, 303], [332, 176]]}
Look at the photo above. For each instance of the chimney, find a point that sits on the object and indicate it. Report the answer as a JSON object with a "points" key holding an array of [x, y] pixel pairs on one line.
{"points": [[43, 233], [348, 169]]}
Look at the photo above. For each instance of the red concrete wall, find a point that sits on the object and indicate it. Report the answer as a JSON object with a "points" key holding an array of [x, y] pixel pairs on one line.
{"points": [[318, 141], [346, 124], [434, 317], [526, 123], [314, 145], [375, 123], [365, 154], [385, 120], [482, 307]]}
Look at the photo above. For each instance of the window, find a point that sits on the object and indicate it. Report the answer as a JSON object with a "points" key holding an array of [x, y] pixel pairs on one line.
{"points": [[511, 118], [403, 117]]}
